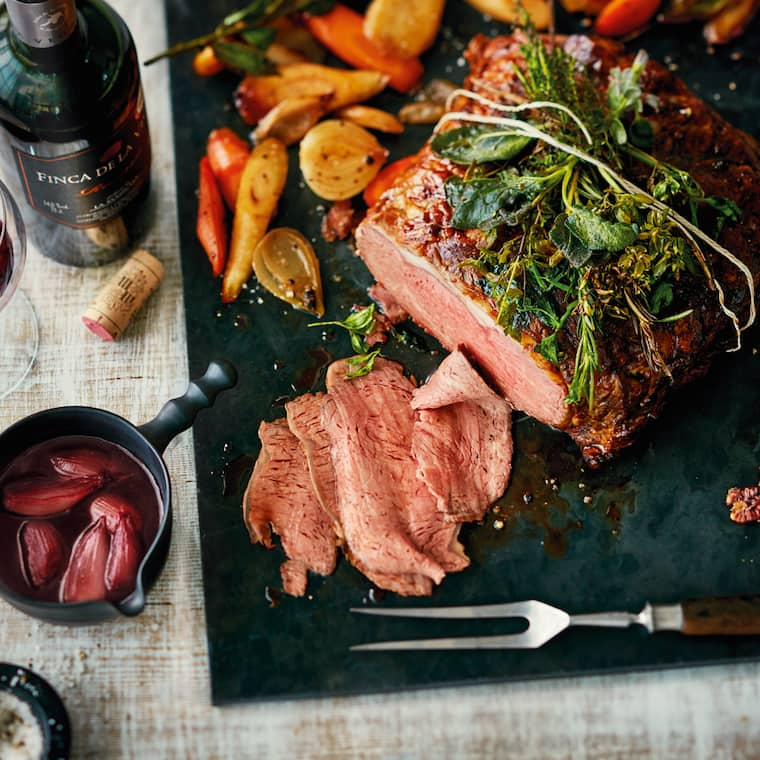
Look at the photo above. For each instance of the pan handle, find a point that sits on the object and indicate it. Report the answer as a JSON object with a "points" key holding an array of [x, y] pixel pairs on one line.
{"points": [[179, 413]]}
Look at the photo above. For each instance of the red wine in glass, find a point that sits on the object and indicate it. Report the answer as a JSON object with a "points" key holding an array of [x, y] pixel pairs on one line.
{"points": [[19, 333], [6, 261]]}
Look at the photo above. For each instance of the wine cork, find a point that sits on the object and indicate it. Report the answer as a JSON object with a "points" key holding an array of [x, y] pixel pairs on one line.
{"points": [[123, 295]]}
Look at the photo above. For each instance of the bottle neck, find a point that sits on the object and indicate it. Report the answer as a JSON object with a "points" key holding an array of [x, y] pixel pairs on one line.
{"points": [[45, 31]]}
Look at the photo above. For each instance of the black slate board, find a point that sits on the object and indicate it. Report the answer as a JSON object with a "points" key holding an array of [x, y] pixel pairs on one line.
{"points": [[654, 528]]}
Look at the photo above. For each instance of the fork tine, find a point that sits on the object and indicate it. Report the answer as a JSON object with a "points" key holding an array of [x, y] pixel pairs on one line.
{"points": [[511, 641], [506, 610]]}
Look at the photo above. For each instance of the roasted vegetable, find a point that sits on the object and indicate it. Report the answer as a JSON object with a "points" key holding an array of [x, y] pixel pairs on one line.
{"points": [[341, 30], [211, 226], [589, 7], [258, 95], [385, 178], [405, 29], [339, 159], [730, 22], [227, 153], [348, 86], [286, 265], [291, 119], [621, 17], [510, 11], [205, 62], [260, 189], [371, 118], [688, 10]]}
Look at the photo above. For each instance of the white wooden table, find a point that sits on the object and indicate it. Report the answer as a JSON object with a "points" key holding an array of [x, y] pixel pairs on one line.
{"points": [[139, 688]]}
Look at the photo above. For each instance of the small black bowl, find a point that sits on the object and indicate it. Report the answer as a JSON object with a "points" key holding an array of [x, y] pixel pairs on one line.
{"points": [[146, 443], [45, 704]]}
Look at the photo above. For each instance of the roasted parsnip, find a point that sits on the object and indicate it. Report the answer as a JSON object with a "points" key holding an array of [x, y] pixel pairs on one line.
{"points": [[261, 186]]}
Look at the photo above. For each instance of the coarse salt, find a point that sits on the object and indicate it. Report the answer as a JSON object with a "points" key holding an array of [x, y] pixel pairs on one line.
{"points": [[21, 736]]}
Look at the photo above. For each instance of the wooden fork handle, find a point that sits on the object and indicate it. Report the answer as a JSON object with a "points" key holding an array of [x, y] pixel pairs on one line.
{"points": [[721, 616]]}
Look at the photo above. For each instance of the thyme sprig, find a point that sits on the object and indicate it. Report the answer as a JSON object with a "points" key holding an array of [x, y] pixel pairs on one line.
{"points": [[359, 324], [570, 240], [241, 38]]}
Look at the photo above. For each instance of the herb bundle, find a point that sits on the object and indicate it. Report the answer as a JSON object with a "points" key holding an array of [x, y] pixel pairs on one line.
{"points": [[241, 39], [570, 241]]}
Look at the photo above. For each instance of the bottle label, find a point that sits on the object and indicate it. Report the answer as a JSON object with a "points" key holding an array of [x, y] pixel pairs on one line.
{"points": [[89, 187], [42, 25]]}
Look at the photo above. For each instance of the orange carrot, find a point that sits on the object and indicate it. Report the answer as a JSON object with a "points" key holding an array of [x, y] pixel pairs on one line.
{"points": [[341, 30], [211, 226], [621, 17], [205, 62], [227, 154], [385, 178]]}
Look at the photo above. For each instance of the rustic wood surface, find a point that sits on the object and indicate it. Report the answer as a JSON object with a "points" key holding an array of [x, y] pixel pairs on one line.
{"points": [[139, 688]]}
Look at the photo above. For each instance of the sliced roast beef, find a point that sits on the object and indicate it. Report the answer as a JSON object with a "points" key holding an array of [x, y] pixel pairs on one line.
{"points": [[304, 415], [280, 497], [393, 530], [462, 440], [409, 245]]}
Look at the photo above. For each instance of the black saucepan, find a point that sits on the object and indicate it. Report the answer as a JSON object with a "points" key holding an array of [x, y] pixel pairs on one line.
{"points": [[146, 443]]}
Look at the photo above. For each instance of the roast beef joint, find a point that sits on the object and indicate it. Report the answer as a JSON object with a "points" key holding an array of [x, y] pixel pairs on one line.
{"points": [[583, 226]]}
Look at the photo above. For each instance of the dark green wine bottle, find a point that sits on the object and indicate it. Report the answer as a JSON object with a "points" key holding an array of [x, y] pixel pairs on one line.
{"points": [[72, 108]]}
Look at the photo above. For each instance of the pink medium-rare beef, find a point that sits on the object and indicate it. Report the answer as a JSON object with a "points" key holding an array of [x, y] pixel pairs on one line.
{"points": [[388, 304], [457, 318], [304, 415], [394, 533], [280, 497], [408, 244], [462, 440], [293, 573]]}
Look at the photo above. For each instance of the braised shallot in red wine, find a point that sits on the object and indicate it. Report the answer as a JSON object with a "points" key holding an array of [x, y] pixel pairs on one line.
{"points": [[77, 514]]}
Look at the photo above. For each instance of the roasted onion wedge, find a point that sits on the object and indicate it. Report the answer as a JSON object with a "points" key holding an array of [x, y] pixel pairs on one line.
{"points": [[339, 159], [285, 264]]}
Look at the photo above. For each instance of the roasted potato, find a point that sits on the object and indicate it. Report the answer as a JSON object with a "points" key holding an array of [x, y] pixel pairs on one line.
{"points": [[405, 28]]}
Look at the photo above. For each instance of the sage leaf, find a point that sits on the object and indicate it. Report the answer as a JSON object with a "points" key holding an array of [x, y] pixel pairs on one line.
{"points": [[488, 202], [598, 233], [259, 38], [576, 250], [478, 144], [241, 57]]}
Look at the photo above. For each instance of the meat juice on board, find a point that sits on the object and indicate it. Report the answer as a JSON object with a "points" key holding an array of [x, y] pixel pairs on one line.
{"points": [[119, 502]]}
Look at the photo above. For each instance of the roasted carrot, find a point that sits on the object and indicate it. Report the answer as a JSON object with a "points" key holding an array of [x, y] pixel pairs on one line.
{"points": [[341, 30], [385, 178], [621, 17], [205, 62], [211, 226], [227, 153]]}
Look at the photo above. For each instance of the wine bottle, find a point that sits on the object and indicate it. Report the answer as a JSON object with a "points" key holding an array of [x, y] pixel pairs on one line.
{"points": [[72, 109]]}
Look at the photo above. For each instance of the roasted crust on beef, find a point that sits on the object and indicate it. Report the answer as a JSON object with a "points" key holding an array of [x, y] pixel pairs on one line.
{"points": [[415, 217]]}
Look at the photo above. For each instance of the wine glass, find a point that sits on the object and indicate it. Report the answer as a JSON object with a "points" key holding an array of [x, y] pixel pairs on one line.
{"points": [[19, 331]]}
